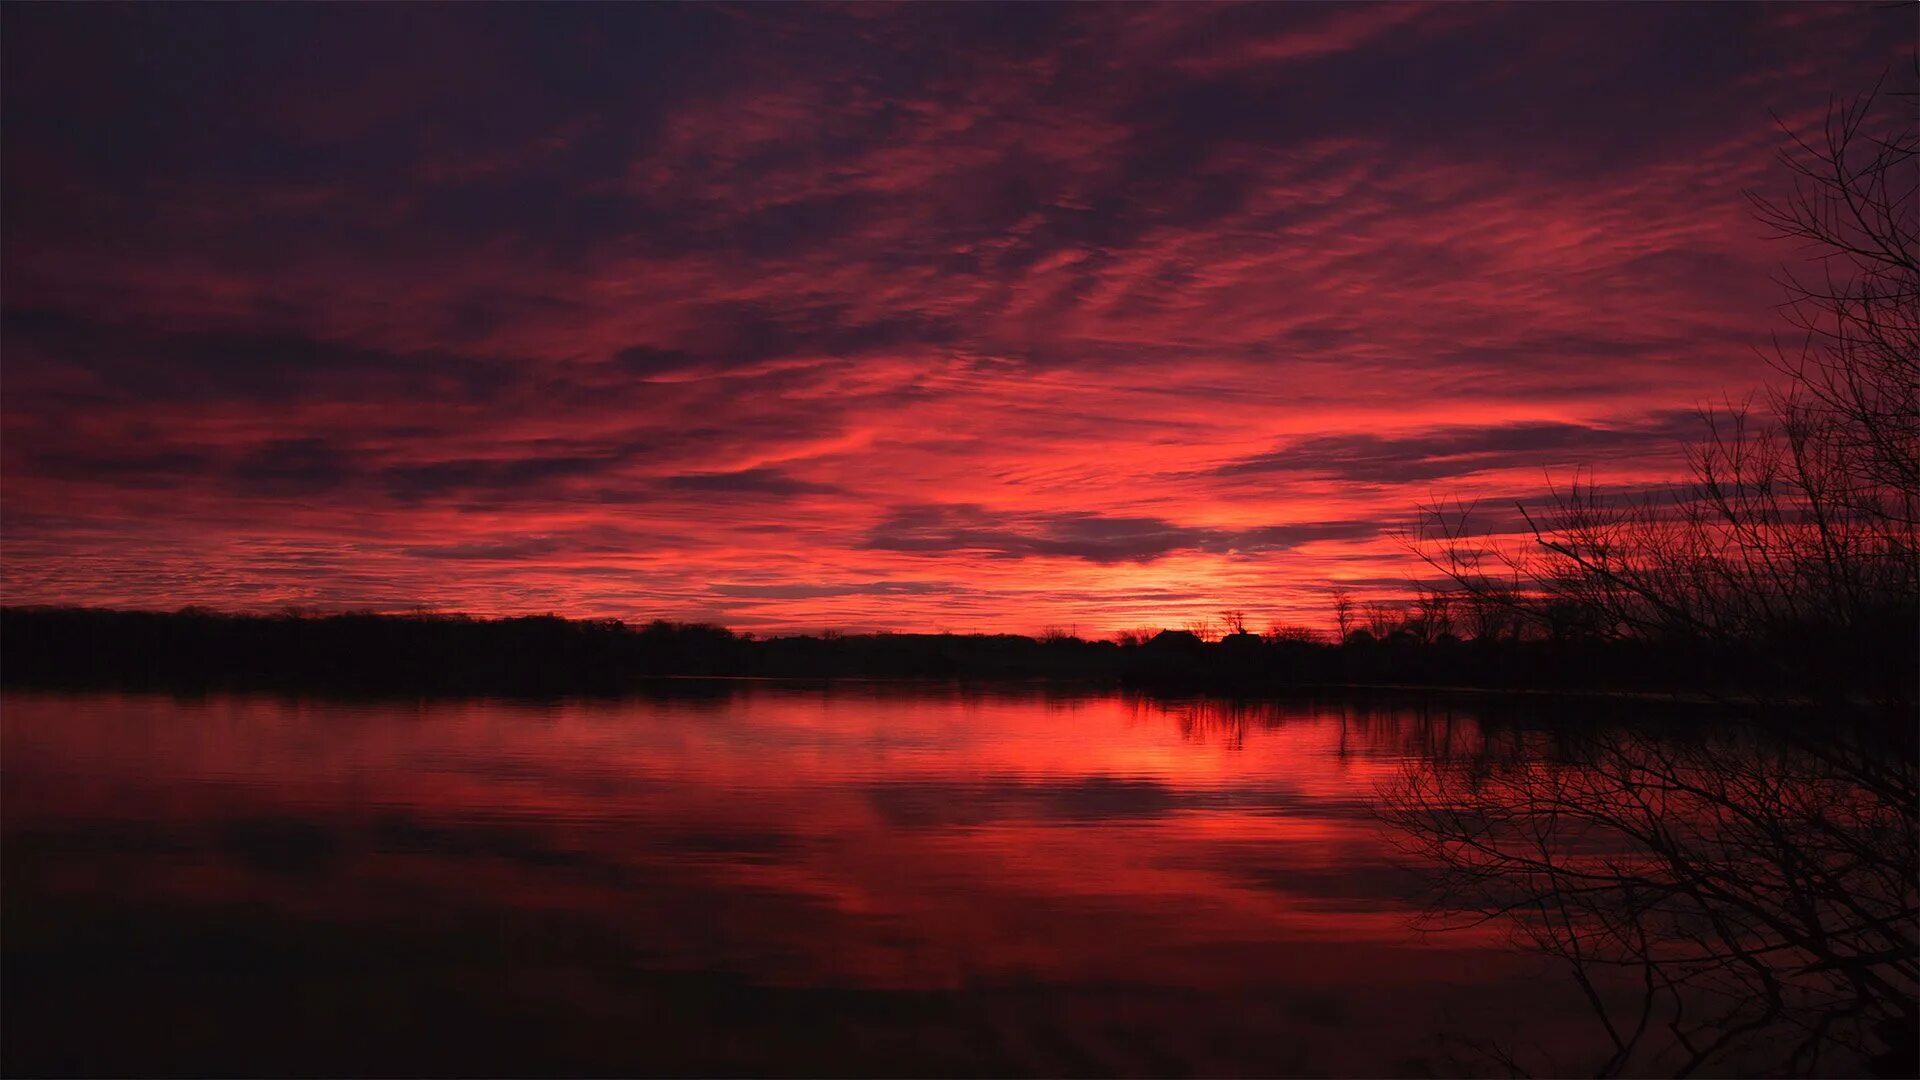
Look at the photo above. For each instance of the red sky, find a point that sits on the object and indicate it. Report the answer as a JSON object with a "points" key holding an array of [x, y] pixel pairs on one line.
{"points": [[788, 317]]}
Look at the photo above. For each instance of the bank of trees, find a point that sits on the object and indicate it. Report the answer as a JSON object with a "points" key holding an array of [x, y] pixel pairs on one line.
{"points": [[1797, 533], [1748, 903]]}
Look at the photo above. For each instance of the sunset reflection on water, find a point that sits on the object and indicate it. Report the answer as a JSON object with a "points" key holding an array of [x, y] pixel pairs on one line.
{"points": [[731, 878]]}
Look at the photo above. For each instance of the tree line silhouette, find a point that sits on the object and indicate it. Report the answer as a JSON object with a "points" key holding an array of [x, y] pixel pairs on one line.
{"points": [[546, 654], [1749, 904]]}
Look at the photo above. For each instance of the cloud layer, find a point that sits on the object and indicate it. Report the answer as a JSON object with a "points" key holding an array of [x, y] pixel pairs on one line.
{"points": [[972, 316]]}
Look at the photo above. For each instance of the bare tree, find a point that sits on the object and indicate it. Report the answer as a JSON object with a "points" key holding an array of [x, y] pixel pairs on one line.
{"points": [[1855, 368], [1798, 532], [1761, 892], [1489, 614], [1432, 617], [1382, 620], [1343, 612], [1756, 902]]}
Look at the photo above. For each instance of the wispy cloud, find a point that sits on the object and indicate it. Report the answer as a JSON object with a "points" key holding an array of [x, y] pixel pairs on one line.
{"points": [[1104, 316]]}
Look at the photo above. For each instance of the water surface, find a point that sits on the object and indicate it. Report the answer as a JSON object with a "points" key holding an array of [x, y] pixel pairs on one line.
{"points": [[732, 879]]}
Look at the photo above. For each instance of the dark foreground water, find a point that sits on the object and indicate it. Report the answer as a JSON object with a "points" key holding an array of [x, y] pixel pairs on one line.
{"points": [[743, 879]]}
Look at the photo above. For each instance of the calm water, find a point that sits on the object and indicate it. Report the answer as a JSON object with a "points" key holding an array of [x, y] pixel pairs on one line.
{"points": [[751, 879]]}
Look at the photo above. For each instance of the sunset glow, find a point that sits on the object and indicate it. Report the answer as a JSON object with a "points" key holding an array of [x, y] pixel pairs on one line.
{"points": [[969, 317]]}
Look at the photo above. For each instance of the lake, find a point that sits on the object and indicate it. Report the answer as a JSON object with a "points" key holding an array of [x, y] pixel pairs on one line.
{"points": [[735, 878]]}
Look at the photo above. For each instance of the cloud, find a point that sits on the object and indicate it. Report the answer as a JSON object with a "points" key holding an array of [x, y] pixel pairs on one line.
{"points": [[1079, 535], [506, 550], [586, 310], [133, 359], [727, 337], [305, 466], [1460, 451], [821, 591], [497, 476], [756, 481]]}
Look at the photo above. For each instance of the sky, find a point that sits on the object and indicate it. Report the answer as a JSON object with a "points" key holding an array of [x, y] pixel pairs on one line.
{"points": [[924, 317]]}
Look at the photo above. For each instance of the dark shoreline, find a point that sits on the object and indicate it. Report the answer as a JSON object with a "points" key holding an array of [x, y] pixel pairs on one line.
{"points": [[547, 656]]}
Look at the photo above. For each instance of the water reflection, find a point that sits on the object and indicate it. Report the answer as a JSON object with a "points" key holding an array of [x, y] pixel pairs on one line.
{"points": [[748, 879], [1742, 897]]}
